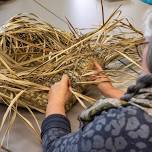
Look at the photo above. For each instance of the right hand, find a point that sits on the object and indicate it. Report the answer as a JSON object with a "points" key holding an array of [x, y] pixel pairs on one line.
{"points": [[60, 91], [58, 95]]}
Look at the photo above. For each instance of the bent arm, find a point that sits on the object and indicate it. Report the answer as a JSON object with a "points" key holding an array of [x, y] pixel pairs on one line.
{"points": [[53, 128]]}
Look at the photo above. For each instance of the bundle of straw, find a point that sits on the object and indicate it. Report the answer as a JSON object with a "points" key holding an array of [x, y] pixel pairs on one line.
{"points": [[34, 55]]}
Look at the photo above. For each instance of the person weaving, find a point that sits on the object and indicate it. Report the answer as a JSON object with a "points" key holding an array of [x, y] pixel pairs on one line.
{"points": [[124, 128]]}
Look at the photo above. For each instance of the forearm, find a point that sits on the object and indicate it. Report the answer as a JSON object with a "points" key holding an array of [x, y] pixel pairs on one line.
{"points": [[115, 93], [112, 92]]}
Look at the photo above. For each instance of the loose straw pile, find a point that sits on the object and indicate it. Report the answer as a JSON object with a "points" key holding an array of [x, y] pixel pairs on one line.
{"points": [[34, 55]]}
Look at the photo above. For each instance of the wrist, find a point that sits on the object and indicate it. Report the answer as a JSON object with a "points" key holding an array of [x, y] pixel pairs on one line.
{"points": [[105, 89], [58, 101], [55, 107], [55, 110], [112, 92], [116, 93]]}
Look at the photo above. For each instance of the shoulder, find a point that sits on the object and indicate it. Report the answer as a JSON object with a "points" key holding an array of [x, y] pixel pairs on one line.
{"points": [[124, 128], [123, 118]]}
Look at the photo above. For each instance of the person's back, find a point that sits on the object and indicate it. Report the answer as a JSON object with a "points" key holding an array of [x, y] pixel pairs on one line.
{"points": [[118, 130]]}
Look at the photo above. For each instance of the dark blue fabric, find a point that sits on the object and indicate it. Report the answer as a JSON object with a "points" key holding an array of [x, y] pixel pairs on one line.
{"points": [[55, 121], [126, 129]]}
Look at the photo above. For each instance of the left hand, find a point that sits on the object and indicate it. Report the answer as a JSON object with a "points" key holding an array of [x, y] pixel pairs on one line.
{"points": [[58, 95], [105, 85]]}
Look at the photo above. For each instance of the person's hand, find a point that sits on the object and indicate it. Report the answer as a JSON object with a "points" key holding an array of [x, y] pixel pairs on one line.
{"points": [[58, 95], [104, 84], [60, 91]]}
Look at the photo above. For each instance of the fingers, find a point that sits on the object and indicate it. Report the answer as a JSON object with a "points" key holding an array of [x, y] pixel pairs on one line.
{"points": [[65, 81], [99, 78], [98, 67], [65, 77]]}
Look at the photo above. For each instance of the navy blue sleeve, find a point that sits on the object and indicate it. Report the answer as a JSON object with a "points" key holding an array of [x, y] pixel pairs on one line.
{"points": [[54, 127]]}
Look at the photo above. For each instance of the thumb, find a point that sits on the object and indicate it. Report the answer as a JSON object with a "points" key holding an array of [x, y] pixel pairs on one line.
{"points": [[65, 79], [97, 66]]}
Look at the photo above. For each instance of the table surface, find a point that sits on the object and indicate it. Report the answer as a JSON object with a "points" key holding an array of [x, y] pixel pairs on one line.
{"points": [[82, 14]]}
